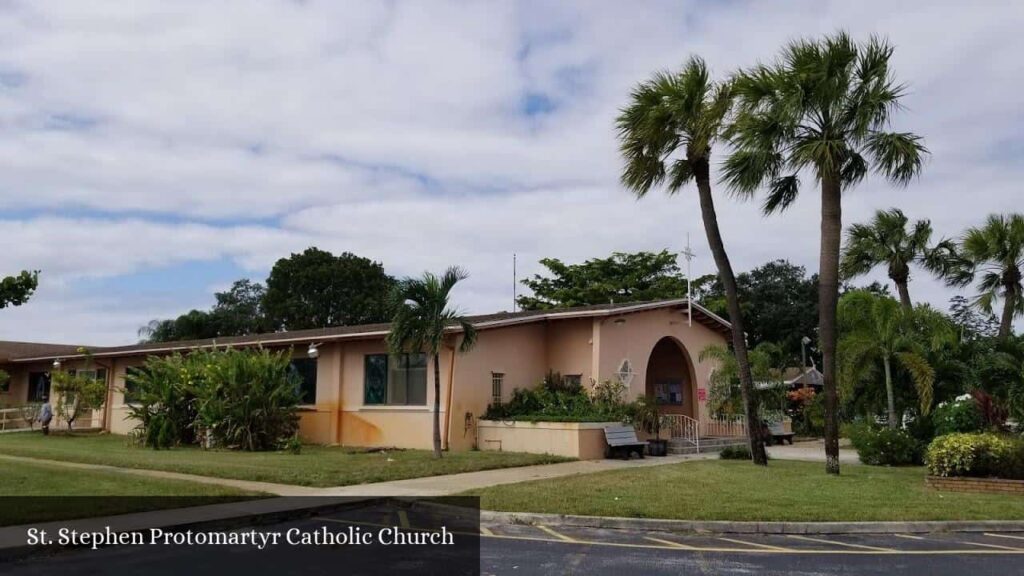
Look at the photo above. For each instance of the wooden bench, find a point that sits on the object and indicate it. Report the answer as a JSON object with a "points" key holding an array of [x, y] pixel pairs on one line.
{"points": [[622, 440], [778, 435]]}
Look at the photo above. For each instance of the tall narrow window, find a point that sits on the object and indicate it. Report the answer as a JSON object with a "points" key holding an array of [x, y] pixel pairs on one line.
{"points": [[38, 386], [131, 387], [497, 382], [305, 369]]}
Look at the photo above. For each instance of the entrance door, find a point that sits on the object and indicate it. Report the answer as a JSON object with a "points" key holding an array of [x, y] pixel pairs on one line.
{"points": [[38, 386]]}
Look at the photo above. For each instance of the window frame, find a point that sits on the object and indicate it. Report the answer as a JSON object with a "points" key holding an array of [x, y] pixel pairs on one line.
{"points": [[314, 362], [388, 367], [497, 388]]}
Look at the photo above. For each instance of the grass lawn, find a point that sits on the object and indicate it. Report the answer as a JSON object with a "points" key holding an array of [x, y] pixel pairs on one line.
{"points": [[729, 490], [108, 493], [315, 466]]}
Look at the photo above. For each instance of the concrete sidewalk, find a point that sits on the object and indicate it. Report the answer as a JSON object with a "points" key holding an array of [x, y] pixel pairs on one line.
{"points": [[425, 486], [811, 451]]}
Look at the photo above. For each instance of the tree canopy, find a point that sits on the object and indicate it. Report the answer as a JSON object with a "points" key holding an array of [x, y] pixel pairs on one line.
{"points": [[16, 290], [622, 277]]}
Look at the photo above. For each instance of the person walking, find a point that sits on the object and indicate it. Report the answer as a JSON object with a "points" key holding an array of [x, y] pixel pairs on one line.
{"points": [[45, 416]]}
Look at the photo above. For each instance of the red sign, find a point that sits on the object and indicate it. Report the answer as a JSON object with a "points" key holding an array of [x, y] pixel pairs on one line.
{"points": [[702, 394]]}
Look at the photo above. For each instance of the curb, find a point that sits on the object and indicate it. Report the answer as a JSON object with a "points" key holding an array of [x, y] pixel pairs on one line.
{"points": [[725, 527], [225, 516]]}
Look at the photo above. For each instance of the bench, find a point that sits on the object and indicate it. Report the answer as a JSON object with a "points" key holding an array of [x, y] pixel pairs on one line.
{"points": [[778, 435], [622, 440]]}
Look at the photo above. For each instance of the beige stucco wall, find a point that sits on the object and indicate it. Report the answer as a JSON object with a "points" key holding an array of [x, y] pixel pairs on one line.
{"points": [[570, 347], [583, 440], [633, 336]]}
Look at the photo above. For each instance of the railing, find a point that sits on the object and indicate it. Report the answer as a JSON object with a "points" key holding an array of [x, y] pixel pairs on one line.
{"points": [[15, 419], [685, 428], [726, 426]]}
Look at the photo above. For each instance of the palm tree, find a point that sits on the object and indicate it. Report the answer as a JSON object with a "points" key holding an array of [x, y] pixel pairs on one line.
{"points": [[886, 240], [667, 133], [878, 330], [823, 109], [996, 252], [422, 323]]}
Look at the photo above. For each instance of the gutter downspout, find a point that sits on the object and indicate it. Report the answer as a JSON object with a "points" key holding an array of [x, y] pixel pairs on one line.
{"points": [[448, 401]]}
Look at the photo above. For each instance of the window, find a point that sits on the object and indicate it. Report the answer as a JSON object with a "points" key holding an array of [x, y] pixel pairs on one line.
{"points": [[572, 380], [38, 386], [305, 368], [497, 380], [100, 374], [5, 384], [131, 389], [395, 380]]}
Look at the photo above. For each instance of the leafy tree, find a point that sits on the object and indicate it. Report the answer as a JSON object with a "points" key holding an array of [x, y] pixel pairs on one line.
{"points": [[667, 133], [239, 311], [79, 391], [878, 330], [886, 240], [972, 323], [422, 324], [16, 290], [822, 109], [316, 289], [192, 325], [766, 366], [622, 277], [995, 252]]}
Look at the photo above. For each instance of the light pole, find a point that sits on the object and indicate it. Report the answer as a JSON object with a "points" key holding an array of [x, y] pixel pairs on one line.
{"points": [[803, 349]]}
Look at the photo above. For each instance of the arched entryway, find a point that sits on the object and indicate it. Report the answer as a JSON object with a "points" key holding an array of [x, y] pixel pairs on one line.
{"points": [[669, 378]]}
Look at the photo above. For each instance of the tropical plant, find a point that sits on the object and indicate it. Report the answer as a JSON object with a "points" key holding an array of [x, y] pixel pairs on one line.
{"points": [[885, 446], [878, 330], [246, 399], [79, 391], [973, 454], [164, 404], [958, 415], [995, 253], [822, 109], [886, 241], [724, 395], [424, 323], [667, 134]]}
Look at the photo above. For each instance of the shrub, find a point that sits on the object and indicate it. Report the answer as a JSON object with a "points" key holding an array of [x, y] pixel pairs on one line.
{"points": [[959, 415], [884, 446], [737, 452], [240, 399], [551, 401], [976, 455]]}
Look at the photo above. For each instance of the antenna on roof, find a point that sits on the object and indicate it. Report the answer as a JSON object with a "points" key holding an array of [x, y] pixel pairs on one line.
{"points": [[689, 255], [515, 285]]}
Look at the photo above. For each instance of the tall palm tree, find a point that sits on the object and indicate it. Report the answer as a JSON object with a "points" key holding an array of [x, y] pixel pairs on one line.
{"points": [[878, 330], [886, 240], [422, 323], [995, 251], [667, 133], [821, 110]]}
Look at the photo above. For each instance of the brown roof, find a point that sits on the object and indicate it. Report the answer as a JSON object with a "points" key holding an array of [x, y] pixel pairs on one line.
{"points": [[9, 349], [482, 321]]}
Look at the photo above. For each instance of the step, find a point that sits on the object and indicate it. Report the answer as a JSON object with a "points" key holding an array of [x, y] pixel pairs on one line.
{"points": [[686, 448]]}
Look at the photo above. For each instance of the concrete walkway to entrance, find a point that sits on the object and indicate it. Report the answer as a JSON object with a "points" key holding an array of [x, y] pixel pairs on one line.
{"points": [[811, 451], [426, 486]]}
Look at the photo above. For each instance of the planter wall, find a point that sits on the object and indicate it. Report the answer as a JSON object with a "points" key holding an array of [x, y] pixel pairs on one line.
{"points": [[989, 485], [583, 440]]}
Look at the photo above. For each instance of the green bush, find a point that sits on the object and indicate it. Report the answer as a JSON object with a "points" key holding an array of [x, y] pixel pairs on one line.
{"points": [[240, 399], [737, 452], [553, 401], [976, 455], [960, 415], [884, 446]]}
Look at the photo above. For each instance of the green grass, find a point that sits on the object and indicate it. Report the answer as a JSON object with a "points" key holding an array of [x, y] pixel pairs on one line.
{"points": [[52, 492], [730, 490], [315, 466]]}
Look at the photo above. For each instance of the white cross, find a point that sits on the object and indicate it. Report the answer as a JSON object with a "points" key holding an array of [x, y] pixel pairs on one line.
{"points": [[689, 255]]}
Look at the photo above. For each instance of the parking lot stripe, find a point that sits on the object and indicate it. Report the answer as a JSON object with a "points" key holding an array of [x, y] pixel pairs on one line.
{"points": [[765, 546], [838, 543], [908, 536], [1004, 536], [670, 543], [996, 546], [555, 534]]}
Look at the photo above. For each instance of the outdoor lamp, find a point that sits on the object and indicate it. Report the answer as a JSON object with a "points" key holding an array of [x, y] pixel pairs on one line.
{"points": [[56, 364], [313, 351]]}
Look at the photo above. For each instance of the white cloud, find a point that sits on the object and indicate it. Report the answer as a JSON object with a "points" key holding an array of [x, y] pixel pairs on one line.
{"points": [[136, 136]]}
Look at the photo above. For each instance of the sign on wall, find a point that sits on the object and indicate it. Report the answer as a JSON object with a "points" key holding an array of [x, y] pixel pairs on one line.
{"points": [[702, 394]]}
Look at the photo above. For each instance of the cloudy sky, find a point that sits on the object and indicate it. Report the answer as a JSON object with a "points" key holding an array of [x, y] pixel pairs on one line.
{"points": [[153, 152]]}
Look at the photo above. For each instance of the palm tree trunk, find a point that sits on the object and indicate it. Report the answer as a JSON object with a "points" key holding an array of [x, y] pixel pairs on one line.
{"points": [[889, 396], [828, 299], [904, 291], [437, 405], [1009, 306], [725, 274]]}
